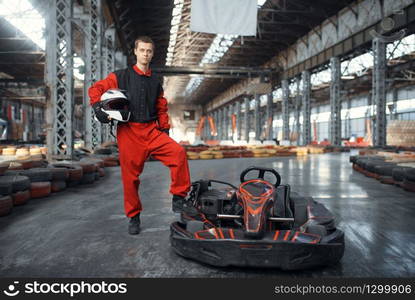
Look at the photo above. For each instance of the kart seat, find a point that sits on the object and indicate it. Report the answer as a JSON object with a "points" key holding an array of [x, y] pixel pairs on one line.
{"points": [[282, 204]]}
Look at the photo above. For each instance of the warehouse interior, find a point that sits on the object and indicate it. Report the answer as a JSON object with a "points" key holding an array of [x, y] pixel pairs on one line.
{"points": [[324, 93]]}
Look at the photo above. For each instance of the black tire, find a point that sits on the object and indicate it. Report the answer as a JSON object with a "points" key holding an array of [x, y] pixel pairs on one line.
{"points": [[12, 172], [96, 161], [6, 205], [73, 183], [39, 163], [59, 174], [371, 165], [75, 170], [105, 151], [384, 169], [20, 198], [317, 229], [410, 174], [16, 182], [5, 187], [194, 226], [353, 158], [38, 174], [101, 172], [88, 178], [398, 173], [57, 186], [96, 176]]}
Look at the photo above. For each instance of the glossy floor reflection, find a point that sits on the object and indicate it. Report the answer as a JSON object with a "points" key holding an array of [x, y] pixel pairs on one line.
{"points": [[82, 232]]}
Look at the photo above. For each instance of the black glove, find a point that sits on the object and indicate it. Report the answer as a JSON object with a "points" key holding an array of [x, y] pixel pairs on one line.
{"points": [[166, 131], [101, 116]]}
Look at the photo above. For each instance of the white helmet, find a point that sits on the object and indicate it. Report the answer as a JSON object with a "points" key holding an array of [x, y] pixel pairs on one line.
{"points": [[115, 103]]}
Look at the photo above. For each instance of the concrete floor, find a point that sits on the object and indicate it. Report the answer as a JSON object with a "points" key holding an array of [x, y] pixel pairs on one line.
{"points": [[82, 231]]}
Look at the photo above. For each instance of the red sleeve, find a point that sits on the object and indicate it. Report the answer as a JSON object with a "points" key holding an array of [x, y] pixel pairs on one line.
{"points": [[98, 88], [163, 117]]}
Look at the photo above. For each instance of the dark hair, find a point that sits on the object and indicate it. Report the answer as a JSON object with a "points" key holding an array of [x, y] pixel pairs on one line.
{"points": [[145, 39]]}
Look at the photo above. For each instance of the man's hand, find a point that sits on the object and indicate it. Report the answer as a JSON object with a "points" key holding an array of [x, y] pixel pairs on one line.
{"points": [[101, 116]]}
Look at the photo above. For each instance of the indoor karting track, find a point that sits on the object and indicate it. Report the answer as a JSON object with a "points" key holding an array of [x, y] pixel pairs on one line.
{"points": [[82, 231]]}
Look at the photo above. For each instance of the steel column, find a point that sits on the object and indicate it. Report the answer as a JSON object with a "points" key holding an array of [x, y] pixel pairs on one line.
{"points": [[379, 91], [269, 116], [298, 110], [238, 121], [92, 70], [226, 110], [285, 110], [220, 124], [246, 119], [215, 120], [59, 79], [335, 102], [306, 107], [257, 117], [108, 65]]}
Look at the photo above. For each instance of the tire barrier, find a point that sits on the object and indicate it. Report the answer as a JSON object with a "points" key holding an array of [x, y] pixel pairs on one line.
{"points": [[59, 174], [5, 187], [408, 185], [101, 172], [88, 178], [40, 189], [26, 178], [17, 183], [104, 151], [87, 167], [73, 183], [410, 174], [96, 161], [57, 186], [111, 162], [20, 198], [75, 171], [3, 167], [6, 205], [386, 172], [38, 174], [398, 174]]}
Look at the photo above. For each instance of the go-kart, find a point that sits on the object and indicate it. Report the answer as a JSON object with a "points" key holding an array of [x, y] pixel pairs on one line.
{"points": [[258, 224]]}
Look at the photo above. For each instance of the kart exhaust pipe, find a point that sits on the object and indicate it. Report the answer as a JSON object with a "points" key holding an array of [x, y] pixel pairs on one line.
{"points": [[272, 219]]}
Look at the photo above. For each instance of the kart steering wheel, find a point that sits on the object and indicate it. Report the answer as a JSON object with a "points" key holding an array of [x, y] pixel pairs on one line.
{"points": [[261, 173]]}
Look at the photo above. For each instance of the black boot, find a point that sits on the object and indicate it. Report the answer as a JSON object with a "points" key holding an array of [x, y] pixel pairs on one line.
{"points": [[134, 226], [177, 204]]}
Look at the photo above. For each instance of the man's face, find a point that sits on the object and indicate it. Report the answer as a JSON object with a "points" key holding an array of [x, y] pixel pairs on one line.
{"points": [[144, 52]]}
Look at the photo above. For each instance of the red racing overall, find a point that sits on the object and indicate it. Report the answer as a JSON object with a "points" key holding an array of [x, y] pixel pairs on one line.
{"points": [[143, 135]]}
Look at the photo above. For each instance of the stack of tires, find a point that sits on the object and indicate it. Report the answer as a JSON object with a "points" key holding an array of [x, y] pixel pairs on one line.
{"points": [[98, 164], [40, 181], [14, 190], [75, 172], [409, 180], [384, 171]]}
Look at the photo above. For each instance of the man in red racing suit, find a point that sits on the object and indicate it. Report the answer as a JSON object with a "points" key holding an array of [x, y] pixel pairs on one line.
{"points": [[146, 133]]}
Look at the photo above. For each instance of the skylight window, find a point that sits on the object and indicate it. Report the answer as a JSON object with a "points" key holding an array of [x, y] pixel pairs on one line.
{"points": [[26, 18], [220, 45]]}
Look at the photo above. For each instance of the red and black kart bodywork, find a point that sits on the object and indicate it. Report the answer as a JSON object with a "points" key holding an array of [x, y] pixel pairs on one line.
{"points": [[258, 224]]}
